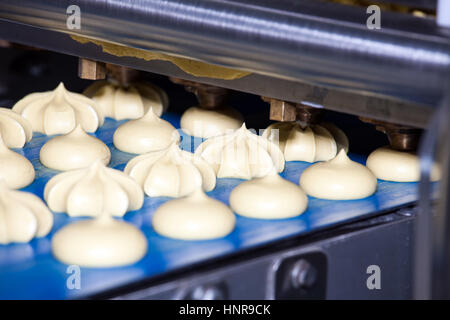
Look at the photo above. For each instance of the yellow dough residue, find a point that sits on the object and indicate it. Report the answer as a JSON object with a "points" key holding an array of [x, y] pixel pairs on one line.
{"points": [[146, 134], [16, 170], [99, 243], [269, 197], [130, 102], [193, 67], [338, 179], [92, 191], [59, 111], [311, 144], [399, 166], [74, 150], [194, 217], [15, 129], [23, 216], [207, 123], [241, 154], [171, 172]]}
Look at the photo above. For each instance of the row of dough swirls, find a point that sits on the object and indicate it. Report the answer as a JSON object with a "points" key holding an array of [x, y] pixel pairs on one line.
{"points": [[60, 111], [63, 112]]}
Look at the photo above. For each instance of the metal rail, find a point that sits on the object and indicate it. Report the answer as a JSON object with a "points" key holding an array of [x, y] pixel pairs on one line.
{"points": [[372, 106], [420, 4], [319, 43]]}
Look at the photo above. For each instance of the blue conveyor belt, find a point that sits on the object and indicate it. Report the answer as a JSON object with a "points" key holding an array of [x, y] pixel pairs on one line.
{"points": [[28, 271]]}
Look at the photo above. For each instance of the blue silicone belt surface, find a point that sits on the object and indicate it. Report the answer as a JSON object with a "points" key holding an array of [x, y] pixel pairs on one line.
{"points": [[29, 271]]}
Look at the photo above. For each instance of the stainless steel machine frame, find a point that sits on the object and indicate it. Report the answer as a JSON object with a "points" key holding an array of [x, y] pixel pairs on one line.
{"points": [[311, 51], [328, 265]]}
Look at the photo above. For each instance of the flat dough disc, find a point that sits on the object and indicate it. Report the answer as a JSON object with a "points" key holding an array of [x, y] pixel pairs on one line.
{"points": [[399, 166], [146, 134], [205, 123], [270, 197], [338, 179], [195, 217], [74, 150], [99, 243]]}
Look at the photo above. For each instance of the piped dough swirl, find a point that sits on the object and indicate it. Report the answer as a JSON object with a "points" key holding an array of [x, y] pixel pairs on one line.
{"points": [[59, 111]]}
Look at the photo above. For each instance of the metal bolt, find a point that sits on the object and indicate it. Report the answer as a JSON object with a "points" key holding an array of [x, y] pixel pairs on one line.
{"points": [[125, 76], [281, 110], [403, 138], [208, 96], [91, 70]]}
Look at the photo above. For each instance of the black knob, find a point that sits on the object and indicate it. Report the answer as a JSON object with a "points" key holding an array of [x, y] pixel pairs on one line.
{"points": [[303, 274], [208, 292]]}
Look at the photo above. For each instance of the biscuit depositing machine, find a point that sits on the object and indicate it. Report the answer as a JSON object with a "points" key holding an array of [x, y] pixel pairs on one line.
{"points": [[301, 57]]}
